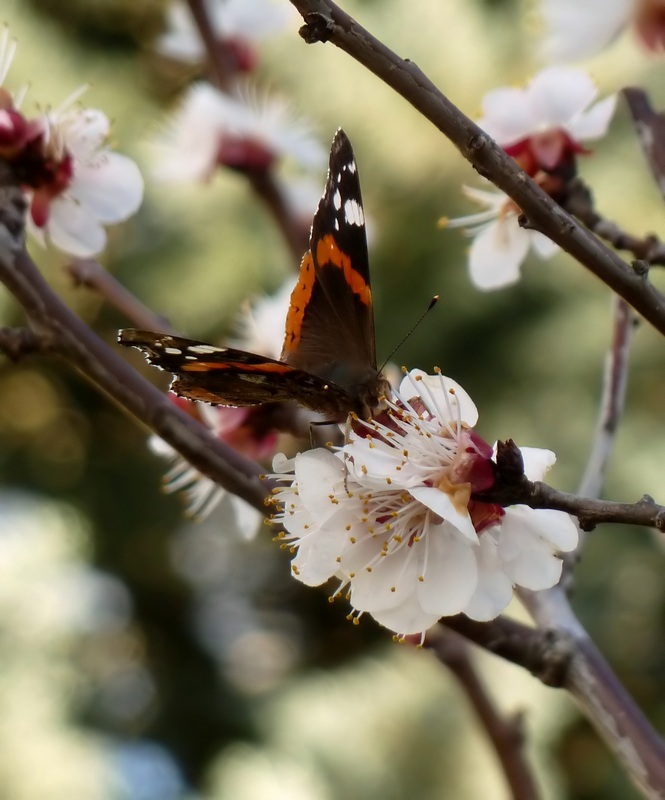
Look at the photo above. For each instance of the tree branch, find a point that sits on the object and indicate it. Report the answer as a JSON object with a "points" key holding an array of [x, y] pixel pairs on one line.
{"points": [[325, 21], [650, 127], [579, 203], [612, 400], [262, 181], [505, 733], [89, 273], [512, 487], [17, 343], [74, 340], [567, 659]]}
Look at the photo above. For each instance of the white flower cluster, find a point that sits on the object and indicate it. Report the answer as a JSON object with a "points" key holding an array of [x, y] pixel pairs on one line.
{"points": [[390, 515]]}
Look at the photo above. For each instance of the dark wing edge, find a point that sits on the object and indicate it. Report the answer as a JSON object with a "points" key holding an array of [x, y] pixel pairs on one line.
{"points": [[338, 322]]}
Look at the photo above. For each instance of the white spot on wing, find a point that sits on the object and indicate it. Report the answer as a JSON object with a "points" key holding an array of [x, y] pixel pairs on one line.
{"points": [[337, 200], [352, 167], [205, 349], [173, 351], [353, 213]]}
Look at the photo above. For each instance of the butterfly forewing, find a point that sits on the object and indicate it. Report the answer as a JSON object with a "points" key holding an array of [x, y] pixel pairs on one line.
{"points": [[328, 359], [330, 326]]}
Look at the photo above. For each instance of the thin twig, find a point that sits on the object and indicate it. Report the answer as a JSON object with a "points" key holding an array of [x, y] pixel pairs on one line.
{"points": [[579, 203], [325, 21], [650, 127], [619, 721], [569, 660], [89, 273], [512, 487], [506, 734], [220, 60], [615, 378], [262, 181], [74, 340], [16, 343]]}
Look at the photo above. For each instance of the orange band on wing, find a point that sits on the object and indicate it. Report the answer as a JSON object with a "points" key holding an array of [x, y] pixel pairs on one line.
{"points": [[327, 252], [300, 297], [207, 366]]}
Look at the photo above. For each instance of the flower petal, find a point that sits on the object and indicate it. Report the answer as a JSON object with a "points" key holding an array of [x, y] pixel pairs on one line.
{"points": [[442, 505], [388, 582], [559, 93], [537, 462], [451, 572], [555, 527], [444, 398], [73, 229], [318, 473], [593, 124], [494, 588], [527, 540], [317, 559], [507, 115], [545, 248], [406, 618], [577, 30], [111, 187], [497, 253]]}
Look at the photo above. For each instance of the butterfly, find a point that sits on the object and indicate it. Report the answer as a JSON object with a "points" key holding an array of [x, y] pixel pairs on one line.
{"points": [[328, 360]]}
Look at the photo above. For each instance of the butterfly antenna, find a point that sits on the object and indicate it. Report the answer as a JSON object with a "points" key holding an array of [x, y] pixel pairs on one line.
{"points": [[431, 305]]}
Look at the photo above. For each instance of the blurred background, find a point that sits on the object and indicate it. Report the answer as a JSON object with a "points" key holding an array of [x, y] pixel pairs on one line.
{"points": [[147, 657]]}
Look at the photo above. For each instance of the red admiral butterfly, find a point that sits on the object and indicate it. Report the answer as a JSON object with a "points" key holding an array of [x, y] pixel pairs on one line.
{"points": [[328, 361]]}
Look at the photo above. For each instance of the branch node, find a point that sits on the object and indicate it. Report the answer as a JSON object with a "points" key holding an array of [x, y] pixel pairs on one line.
{"points": [[16, 343], [509, 462], [640, 267], [586, 523], [13, 207], [556, 652], [317, 28]]}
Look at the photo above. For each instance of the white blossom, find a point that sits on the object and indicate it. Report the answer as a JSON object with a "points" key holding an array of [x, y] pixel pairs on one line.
{"points": [[550, 117], [235, 21], [260, 330], [90, 187], [390, 515], [576, 30], [499, 244], [211, 128]]}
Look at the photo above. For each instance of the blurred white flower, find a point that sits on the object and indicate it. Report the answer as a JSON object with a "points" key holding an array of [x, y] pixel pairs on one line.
{"points": [[7, 53], [260, 324], [16, 132], [499, 244], [84, 185], [236, 24], [241, 429], [211, 128], [260, 330], [547, 120], [576, 30], [390, 515]]}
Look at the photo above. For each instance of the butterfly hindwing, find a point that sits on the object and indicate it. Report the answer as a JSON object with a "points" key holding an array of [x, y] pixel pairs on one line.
{"points": [[226, 376], [328, 359]]}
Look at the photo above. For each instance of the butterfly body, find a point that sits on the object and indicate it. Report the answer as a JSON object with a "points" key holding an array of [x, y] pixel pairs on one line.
{"points": [[328, 360]]}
